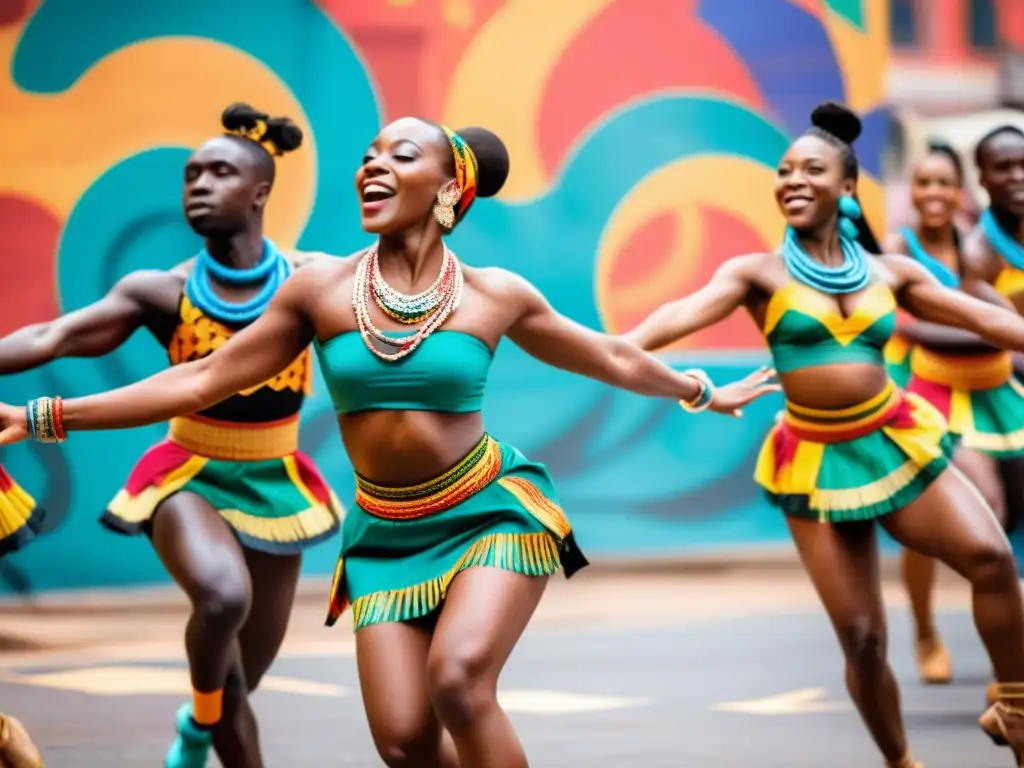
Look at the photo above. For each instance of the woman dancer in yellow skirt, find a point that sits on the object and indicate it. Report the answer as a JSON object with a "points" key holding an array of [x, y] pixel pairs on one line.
{"points": [[852, 451]]}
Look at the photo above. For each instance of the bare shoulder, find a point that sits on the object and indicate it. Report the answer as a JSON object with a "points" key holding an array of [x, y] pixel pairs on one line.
{"points": [[300, 259], [499, 284], [978, 257]]}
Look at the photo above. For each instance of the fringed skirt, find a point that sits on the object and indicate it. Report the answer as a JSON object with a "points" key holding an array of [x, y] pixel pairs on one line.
{"points": [[401, 547], [857, 463], [272, 495], [978, 396], [20, 519], [897, 360]]}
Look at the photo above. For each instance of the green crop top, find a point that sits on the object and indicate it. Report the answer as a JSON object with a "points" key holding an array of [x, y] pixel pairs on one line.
{"points": [[447, 373], [803, 329]]}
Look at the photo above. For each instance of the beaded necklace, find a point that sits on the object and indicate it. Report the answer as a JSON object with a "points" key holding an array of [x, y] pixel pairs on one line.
{"points": [[852, 275], [1005, 246], [940, 271], [272, 270], [435, 308]]}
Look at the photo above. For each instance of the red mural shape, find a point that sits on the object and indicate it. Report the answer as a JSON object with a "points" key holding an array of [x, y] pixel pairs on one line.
{"points": [[29, 272], [666, 49], [652, 245]]}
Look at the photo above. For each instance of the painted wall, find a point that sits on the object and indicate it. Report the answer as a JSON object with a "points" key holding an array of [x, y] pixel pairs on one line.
{"points": [[643, 133]]}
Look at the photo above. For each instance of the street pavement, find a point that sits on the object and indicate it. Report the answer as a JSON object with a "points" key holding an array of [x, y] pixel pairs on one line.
{"points": [[713, 668]]}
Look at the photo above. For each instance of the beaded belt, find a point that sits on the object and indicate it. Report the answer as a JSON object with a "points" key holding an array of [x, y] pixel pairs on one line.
{"points": [[986, 371], [471, 475], [231, 441]]}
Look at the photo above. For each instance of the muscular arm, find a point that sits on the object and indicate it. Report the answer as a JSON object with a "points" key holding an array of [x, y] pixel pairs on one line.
{"points": [[92, 331], [723, 294], [556, 340], [252, 356], [927, 299]]}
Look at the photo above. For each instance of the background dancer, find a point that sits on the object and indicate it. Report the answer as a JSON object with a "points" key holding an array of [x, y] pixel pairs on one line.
{"points": [[967, 380], [227, 500], [852, 449], [437, 497]]}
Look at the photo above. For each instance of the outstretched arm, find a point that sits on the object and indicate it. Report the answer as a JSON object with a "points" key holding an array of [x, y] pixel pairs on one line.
{"points": [[254, 355], [556, 340], [723, 295], [943, 338], [927, 299], [92, 331]]}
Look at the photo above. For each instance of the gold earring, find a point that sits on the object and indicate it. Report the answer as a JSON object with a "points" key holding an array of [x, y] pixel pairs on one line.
{"points": [[444, 208]]}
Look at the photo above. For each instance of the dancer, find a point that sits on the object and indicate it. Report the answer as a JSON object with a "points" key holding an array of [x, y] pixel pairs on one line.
{"points": [[227, 500], [16, 747], [20, 519], [967, 380], [437, 497], [852, 449]]}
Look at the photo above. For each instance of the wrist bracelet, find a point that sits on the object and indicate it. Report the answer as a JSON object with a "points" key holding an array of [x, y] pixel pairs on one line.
{"points": [[45, 419], [704, 397]]}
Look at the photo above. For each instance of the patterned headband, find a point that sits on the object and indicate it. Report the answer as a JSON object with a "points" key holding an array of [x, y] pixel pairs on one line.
{"points": [[258, 134], [465, 170]]}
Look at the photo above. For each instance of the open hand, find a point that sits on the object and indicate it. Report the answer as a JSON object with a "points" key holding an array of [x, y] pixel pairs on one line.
{"points": [[730, 399], [13, 424]]}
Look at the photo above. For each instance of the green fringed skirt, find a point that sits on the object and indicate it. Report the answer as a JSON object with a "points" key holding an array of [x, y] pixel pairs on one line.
{"points": [[401, 547]]}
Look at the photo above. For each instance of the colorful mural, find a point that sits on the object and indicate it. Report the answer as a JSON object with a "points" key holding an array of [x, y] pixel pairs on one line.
{"points": [[643, 136]]}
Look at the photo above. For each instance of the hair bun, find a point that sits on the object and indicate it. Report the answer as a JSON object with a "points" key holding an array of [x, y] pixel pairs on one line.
{"points": [[281, 132], [241, 117], [837, 119], [491, 159]]}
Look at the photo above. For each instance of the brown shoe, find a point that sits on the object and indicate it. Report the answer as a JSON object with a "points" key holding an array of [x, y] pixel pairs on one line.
{"points": [[16, 748]]}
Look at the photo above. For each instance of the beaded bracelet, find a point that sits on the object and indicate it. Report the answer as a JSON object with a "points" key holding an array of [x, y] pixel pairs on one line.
{"points": [[704, 397], [45, 419]]}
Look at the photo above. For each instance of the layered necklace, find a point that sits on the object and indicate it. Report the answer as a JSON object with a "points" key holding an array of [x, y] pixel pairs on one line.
{"points": [[272, 270], [431, 307]]}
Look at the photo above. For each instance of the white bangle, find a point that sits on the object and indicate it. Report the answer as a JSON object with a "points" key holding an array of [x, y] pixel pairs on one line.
{"points": [[706, 395]]}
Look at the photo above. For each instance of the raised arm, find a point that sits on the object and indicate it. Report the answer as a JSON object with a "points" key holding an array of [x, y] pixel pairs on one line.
{"points": [[254, 355], [927, 299], [556, 340], [723, 295], [92, 331]]}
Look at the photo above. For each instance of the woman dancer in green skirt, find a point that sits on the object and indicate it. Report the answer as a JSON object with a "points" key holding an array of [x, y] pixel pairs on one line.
{"points": [[437, 497], [851, 449]]}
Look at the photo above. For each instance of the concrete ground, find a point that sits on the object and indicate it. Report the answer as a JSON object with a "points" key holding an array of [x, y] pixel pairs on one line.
{"points": [[705, 668]]}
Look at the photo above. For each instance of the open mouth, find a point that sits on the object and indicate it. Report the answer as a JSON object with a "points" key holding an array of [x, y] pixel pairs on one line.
{"points": [[1017, 195], [796, 203], [375, 192]]}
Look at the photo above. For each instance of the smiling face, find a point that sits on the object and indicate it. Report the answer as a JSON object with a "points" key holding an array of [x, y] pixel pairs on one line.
{"points": [[223, 188], [809, 182], [1002, 172], [935, 190], [402, 172]]}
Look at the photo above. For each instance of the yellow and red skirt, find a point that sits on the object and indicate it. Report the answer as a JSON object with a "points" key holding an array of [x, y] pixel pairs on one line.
{"points": [[270, 493], [20, 519], [857, 463], [977, 394], [402, 547]]}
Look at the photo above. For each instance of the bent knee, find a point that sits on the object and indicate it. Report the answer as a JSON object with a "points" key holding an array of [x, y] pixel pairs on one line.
{"points": [[864, 643], [461, 686], [225, 605], [991, 565], [409, 747]]}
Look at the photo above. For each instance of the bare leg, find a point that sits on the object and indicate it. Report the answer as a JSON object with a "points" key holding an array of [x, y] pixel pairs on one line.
{"points": [[483, 616], [951, 522], [919, 571], [274, 578], [392, 660], [202, 555], [842, 561]]}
